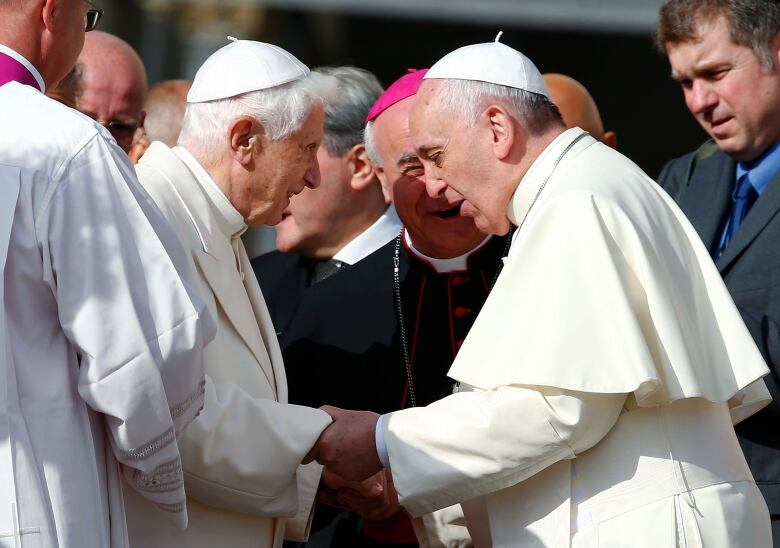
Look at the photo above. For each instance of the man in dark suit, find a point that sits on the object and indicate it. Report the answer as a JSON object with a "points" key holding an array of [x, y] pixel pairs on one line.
{"points": [[726, 56], [345, 219]]}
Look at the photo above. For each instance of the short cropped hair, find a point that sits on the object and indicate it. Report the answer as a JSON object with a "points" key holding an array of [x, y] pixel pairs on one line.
{"points": [[281, 110], [358, 90], [752, 23], [469, 98]]}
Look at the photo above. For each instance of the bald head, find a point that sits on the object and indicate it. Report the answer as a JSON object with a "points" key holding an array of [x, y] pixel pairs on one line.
{"points": [[49, 34], [165, 105], [577, 106], [113, 85]]}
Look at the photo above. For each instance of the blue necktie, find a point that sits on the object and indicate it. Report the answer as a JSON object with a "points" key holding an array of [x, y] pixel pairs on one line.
{"points": [[744, 197]]}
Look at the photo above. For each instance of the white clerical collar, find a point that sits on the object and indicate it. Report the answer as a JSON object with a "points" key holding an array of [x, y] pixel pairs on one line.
{"points": [[444, 266], [230, 221], [384, 229], [531, 183], [29, 66]]}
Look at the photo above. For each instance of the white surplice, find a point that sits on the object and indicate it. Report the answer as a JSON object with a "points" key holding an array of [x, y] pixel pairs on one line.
{"points": [[245, 484], [601, 378], [100, 361]]}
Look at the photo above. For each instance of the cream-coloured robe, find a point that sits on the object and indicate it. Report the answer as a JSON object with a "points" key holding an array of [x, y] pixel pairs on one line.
{"points": [[596, 378], [241, 456]]}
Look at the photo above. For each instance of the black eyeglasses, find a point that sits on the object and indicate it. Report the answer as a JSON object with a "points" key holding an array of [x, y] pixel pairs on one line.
{"points": [[93, 16], [122, 131]]}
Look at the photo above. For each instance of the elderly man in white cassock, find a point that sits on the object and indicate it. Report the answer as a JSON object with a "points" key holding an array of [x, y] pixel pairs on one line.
{"points": [[599, 384], [100, 339], [249, 141]]}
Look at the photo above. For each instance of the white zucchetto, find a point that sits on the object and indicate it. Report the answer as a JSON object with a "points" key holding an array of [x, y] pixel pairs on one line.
{"points": [[492, 62], [244, 66]]}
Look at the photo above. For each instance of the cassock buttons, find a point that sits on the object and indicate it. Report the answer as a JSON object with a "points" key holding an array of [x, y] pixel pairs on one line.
{"points": [[458, 281], [462, 311]]}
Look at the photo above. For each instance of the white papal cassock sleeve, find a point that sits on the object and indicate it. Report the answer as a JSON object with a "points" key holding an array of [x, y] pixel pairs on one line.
{"points": [[122, 302], [473, 443]]}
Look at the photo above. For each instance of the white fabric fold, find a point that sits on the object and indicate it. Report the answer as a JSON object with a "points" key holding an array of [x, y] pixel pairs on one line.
{"points": [[105, 337], [592, 300]]}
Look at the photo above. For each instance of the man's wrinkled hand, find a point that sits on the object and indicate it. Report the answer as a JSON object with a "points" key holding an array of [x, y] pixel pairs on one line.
{"points": [[347, 447]]}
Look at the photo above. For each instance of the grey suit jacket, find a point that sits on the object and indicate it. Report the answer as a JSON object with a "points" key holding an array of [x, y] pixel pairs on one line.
{"points": [[701, 183]]}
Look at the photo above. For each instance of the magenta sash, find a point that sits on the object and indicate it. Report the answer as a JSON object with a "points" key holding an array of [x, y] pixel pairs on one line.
{"points": [[12, 70]]}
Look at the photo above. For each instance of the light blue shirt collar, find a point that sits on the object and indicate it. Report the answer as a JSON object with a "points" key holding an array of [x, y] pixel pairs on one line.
{"points": [[763, 170]]}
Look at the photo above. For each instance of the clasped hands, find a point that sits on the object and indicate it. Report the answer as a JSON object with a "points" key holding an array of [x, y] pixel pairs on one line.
{"points": [[354, 478]]}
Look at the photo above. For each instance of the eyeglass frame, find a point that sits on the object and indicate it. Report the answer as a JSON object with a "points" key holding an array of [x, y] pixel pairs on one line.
{"points": [[130, 126], [93, 15]]}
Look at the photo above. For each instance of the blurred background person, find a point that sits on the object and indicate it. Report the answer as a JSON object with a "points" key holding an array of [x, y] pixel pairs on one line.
{"points": [[112, 86], [342, 221], [164, 110], [165, 105], [67, 90], [578, 109]]}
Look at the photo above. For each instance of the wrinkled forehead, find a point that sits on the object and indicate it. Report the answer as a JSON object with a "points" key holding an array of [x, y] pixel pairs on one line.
{"points": [[429, 118]]}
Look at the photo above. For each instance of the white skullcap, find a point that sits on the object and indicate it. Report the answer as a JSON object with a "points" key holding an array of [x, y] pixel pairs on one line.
{"points": [[244, 66], [492, 62]]}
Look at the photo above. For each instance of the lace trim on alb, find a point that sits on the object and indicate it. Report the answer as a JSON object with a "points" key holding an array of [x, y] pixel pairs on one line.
{"points": [[178, 410], [172, 508], [166, 477], [167, 437]]}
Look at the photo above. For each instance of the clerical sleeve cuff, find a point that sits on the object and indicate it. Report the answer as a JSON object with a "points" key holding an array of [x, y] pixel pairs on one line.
{"points": [[379, 438]]}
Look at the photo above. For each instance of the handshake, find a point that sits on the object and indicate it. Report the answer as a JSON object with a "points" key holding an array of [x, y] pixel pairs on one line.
{"points": [[353, 478]]}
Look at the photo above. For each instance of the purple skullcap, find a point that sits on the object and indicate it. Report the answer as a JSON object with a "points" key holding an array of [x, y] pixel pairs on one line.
{"points": [[406, 86]]}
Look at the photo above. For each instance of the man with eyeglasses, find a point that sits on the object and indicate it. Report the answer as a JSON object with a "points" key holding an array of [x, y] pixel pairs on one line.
{"points": [[101, 338], [112, 85]]}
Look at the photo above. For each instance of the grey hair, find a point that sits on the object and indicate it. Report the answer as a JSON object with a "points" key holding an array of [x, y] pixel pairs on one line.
{"points": [[469, 98], [281, 110], [358, 90], [368, 139]]}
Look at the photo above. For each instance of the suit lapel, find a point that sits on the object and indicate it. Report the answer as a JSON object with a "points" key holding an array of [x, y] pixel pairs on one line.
{"points": [[707, 199], [216, 260], [758, 217]]}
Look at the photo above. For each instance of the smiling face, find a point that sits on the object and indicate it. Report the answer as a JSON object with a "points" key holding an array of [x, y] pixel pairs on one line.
{"points": [[434, 224], [282, 169], [734, 98], [458, 158]]}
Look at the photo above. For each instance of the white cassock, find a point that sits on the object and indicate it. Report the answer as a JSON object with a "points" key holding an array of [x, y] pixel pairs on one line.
{"points": [[242, 455], [600, 378], [100, 340]]}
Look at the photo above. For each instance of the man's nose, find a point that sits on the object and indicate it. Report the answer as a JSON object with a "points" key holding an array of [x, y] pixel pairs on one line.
{"points": [[701, 98], [435, 187], [312, 177]]}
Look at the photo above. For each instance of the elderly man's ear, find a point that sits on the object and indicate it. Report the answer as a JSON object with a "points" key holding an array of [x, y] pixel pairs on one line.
{"points": [[245, 139], [502, 130], [362, 170]]}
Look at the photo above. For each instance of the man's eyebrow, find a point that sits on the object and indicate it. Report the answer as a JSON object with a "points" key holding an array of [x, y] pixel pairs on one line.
{"points": [[406, 157], [698, 70], [423, 152]]}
